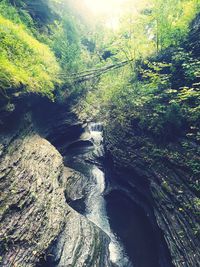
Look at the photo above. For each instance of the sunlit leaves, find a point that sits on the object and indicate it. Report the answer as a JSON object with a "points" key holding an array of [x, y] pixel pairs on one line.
{"points": [[25, 63]]}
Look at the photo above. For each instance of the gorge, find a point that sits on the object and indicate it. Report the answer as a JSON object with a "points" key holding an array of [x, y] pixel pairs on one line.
{"points": [[99, 138]]}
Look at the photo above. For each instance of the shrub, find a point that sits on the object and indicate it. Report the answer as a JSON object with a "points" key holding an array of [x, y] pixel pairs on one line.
{"points": [[25, 63]]}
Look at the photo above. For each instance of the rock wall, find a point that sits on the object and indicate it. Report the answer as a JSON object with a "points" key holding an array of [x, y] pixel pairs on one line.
{"points": [[32, 201], [34, 216], [161, 177], [81, 243]]}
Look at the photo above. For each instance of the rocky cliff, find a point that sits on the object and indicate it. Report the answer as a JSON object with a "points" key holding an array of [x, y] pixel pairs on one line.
{"points": [[35, 217], [163, 180], [32, 201], [163, 173]]}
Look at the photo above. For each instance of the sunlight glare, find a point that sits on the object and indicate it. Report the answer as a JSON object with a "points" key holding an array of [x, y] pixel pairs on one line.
{"points": [[104, 6], [110, 9]]}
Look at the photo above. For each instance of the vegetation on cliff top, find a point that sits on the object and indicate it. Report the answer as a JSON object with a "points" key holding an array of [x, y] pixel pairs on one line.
{"points": [[154, 102], [159, 92], [38, 41], [25, 63]]}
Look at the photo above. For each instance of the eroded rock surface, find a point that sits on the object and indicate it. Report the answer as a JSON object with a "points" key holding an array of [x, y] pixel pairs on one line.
{"points": [[34, 215], [32, 200], [81, 244], [165, 179]]}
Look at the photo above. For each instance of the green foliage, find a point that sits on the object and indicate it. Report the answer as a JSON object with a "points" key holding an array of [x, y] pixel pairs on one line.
{"points": [[150, 26], [37, 38], [18, 16], [172, 19], [66, 45], [25, 63], [159, 95]]}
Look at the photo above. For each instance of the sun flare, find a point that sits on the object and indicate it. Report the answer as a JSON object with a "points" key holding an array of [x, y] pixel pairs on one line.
{"points": [[111, 10], [105, 6]]}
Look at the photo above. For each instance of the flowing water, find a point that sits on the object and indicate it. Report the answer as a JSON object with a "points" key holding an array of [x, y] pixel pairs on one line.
{"points": [[133, 241], [85, 160], [96, 205]]}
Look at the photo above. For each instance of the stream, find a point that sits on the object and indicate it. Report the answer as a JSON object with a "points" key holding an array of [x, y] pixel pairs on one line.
{"points": [[96, 204], [83, 160], [110, 202]]}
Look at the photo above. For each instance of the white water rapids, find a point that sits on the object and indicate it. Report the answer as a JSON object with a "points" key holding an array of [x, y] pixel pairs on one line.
{"points": [[96, 205]]}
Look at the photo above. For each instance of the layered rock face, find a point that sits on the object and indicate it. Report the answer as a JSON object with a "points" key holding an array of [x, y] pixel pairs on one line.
{"points": [[34, 215], [81, 243], [165, 175], [177, 212], [163, 180], [32, 200]]}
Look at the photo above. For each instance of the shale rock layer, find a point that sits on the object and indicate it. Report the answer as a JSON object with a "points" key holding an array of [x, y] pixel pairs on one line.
{"points": [[32, 201], [35, 219], [162, 177]]}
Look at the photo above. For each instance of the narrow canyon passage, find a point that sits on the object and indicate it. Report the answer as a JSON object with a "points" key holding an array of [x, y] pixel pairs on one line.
{"points": [[133, 242], [85, 160]]}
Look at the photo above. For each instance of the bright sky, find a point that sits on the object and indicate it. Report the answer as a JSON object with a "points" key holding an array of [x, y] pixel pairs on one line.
{"points": [[111, 9], [105, 6]]}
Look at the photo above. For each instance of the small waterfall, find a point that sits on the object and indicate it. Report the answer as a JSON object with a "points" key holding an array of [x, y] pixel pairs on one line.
{"points": [[96, 205], [95, 127]]}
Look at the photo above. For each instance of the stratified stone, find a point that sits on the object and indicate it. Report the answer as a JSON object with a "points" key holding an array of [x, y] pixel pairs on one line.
{"points": [[81, 244], [32, 203], [34, 215]]}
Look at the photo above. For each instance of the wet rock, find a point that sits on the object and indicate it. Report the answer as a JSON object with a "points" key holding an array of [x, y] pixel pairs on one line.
{"points": [[177, 215], [35, 219], [81, 244], [32, 204], [163, 178], [76, 185]]}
